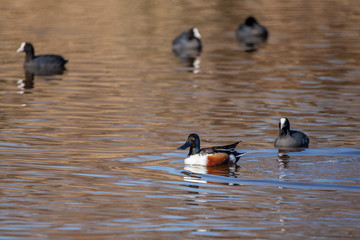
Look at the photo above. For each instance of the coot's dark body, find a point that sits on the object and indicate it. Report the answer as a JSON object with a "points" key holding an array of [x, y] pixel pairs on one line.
{"points": [[188, 44], [251, 33], [41, 64], [290, 138]]}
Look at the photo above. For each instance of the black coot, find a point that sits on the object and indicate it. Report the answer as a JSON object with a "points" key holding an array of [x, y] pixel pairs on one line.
{"points": [[251, 34], [290, 138], [41, 64], [188, 44]]}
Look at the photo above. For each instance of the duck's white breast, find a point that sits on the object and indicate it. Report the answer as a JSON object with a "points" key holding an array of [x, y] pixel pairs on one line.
{"points": [[197, 159]]}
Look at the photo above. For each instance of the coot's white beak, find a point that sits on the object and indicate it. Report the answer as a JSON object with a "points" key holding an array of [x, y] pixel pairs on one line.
{"points": [[22, 47], [282, 122], [196, 33]]}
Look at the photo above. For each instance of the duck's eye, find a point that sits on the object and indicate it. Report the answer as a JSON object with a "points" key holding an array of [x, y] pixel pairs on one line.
{"points": [[193, 139]]}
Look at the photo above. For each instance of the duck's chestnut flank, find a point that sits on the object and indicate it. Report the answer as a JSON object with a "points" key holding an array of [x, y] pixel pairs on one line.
{"points": [[217, 159]]}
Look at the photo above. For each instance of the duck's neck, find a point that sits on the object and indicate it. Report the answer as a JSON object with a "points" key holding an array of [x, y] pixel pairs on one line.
{"points": [[194, 150]]}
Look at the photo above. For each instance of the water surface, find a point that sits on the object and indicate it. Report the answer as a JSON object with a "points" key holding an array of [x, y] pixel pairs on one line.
{"points": [[91, 153]]}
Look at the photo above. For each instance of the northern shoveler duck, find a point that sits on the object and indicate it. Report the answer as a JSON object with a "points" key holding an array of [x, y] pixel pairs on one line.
{"points": [[290, 138], [211, 156]]}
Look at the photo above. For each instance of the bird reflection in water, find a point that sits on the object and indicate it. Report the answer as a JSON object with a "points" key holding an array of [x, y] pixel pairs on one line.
{"points": [[284, 157], [190, 58], [193, 173], [25, 85]]}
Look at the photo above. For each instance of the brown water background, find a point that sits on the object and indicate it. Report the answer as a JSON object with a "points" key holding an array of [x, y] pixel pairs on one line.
{"points": [[91, 154]]}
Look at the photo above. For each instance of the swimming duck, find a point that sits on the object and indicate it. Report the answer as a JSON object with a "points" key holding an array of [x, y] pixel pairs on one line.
{"points": [[48, 61], [211, 156], [251, 33], [189, 40], [290, 138]]}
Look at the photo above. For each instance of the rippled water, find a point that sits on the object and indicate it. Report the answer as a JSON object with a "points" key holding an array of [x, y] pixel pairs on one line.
{"points": [[91, 154]]}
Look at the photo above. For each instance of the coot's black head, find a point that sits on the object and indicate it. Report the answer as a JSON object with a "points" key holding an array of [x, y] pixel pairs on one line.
{"points": [[284, 125], [250, 21], [193, 142], [194, 33], [26, 47]]}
